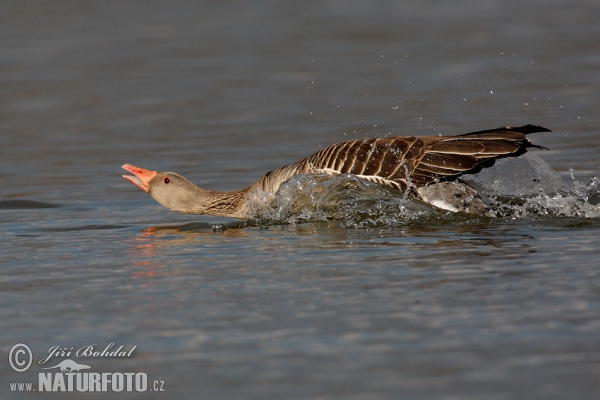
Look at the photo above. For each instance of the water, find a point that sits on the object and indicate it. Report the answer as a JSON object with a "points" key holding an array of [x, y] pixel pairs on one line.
{"points": [[368, 304]]}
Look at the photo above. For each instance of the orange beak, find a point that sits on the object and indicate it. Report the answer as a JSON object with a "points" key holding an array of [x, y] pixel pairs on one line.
{"points": [[141, 176]]}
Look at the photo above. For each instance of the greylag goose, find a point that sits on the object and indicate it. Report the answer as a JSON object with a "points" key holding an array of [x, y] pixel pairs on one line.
{"points": [[427, 168]]}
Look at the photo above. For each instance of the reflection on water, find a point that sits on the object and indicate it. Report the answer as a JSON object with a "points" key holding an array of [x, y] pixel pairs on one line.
{"points": [[199, 227], [440, 240]]}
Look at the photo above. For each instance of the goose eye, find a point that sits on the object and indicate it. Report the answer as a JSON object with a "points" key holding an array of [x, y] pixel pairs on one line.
{"points": [[166, 180]]}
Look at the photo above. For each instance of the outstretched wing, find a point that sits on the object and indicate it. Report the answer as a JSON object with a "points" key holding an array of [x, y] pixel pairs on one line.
{"points": [[409, 161], [401, 161]]}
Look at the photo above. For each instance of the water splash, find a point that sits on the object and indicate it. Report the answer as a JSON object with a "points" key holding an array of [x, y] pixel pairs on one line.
{"points": [[345, 198], [539, 191], [527, 188]]}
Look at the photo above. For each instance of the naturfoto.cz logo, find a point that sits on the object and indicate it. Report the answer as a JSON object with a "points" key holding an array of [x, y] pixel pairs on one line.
{"points": [[70, 376]]}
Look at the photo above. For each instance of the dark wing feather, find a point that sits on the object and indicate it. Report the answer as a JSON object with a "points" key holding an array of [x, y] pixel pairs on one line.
{"points": [[453, 156], [411, 160]]}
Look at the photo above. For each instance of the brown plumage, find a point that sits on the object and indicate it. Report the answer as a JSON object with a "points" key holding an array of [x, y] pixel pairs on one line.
{"points": [[417, 165]]}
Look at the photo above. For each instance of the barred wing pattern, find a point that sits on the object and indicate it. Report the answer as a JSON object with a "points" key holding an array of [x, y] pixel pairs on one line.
{"points": [[410, 162]]}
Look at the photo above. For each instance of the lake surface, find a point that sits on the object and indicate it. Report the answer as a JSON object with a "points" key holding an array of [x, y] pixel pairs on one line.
{"points": [[445, 306]]}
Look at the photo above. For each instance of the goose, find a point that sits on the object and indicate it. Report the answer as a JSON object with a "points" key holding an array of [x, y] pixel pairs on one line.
{"points": [[427, 168]]}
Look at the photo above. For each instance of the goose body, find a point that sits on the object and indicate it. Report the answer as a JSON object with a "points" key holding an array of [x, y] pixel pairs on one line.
{"points": [[426, 167]]}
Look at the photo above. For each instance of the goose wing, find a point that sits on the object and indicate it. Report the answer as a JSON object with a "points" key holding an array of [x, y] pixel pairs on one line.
{"points": [[408, 161], [419, 161]]}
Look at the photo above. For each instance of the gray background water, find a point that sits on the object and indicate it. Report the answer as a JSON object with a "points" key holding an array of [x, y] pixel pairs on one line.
{"points": [[225, 91]]}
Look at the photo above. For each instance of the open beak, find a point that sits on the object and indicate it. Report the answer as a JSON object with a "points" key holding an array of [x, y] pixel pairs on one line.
{"points": [[141, 176]]}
